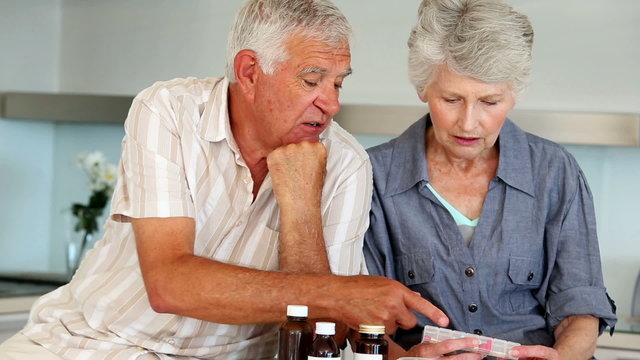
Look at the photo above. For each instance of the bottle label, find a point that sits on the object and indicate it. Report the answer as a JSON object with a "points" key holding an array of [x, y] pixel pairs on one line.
{"points": [[357, 356], [321, 358]]}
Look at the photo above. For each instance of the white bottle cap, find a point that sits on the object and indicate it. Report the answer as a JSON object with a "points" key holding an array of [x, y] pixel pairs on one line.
{"points": [[297, 310], [325, 328]]}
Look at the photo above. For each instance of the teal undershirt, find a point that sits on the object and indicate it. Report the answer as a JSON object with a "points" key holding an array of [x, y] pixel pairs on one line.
{"points": [[465, 225]]}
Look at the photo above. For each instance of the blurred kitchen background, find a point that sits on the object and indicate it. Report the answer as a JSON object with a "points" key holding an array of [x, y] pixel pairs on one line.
{"points": [[586, 60]]}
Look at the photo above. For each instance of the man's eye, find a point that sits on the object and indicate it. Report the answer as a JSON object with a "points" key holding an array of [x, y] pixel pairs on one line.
{"points": [[450, 100], [338, 86], [490, 102], [310, 83]]}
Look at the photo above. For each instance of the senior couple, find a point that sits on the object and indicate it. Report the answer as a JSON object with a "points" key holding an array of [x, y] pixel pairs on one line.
{"points": [[239, 195]]}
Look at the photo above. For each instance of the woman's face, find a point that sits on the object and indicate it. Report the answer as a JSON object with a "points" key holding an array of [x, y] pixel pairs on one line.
{"points": [[467, 114]]}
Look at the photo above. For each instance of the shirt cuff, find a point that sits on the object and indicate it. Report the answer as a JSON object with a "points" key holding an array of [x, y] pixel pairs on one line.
{"points": [[582, 300]]}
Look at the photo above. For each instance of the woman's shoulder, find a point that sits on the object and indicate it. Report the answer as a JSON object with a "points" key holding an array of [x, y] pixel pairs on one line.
{"points": [[382, 151], [407, 142], [540, 150], [546, 151]]}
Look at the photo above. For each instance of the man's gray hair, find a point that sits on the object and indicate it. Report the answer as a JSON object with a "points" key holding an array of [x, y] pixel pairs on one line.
{"points": [[483, 39], [264, 26]]}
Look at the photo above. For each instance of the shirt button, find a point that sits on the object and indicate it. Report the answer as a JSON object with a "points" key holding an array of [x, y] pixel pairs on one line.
{"points": [[171, 342], [238, 223], [473, 308], [411, 274], [531, 276], [477, 332], [247, 179], [469, 271]]}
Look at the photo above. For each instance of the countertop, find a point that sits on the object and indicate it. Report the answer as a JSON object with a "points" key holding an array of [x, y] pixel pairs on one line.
{"points": [[626, 335], [18, 291], [16, 304]]}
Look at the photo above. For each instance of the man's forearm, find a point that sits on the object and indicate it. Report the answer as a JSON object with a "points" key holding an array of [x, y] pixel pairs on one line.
{"points": [[223, 293], [297, 173], [576, 337], [302, 248]]}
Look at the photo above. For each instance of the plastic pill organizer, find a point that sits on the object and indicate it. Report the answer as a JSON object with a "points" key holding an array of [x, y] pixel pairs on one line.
{"points": [[488, 346]]}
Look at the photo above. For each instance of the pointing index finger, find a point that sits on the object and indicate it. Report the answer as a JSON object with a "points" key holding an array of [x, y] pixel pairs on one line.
{"points": [[416, 302]]}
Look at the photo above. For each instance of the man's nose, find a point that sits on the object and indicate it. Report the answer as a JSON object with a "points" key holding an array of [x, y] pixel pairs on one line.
{"points": [[328, 100]]}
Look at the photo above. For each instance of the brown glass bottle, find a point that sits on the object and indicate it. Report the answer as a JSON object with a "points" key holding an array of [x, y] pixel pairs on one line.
{"points": [[324, 346], [371, 344], [295, 334]]}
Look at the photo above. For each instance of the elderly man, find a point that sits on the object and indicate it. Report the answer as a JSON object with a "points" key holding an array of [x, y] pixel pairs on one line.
{"points": [[236, 197]]}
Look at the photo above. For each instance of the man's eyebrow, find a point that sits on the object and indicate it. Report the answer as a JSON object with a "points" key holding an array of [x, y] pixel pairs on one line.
{"points": [[319, 70], [312, 70], [347, 72]]}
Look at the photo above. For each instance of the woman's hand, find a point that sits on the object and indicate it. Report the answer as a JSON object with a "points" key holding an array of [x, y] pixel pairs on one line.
{"points": [[441, 349], [534, 352]]}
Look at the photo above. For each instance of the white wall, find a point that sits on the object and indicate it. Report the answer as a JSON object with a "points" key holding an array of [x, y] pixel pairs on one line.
{"points": [[585, 52], [29, 58], [29, 45], [25, 193], [122, 46], [585, 56]]}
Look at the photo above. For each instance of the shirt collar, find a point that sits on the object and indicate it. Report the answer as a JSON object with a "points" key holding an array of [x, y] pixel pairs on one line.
{"points": [[215, 125], [514, 165], [408, 158]]}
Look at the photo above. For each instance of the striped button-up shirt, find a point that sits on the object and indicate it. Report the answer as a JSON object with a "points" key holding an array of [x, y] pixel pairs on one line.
{"points": [[179, 158]]}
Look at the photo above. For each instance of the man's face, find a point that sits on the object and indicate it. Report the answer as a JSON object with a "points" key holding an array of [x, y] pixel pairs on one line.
{"points": [[298, 102]]}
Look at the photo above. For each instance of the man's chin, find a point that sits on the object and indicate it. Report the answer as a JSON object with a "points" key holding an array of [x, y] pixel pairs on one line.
{"points": [[313, 139]]}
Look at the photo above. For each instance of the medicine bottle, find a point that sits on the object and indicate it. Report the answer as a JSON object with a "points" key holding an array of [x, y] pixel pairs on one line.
{"points": [[371, 344], [324, 346], [295, 334]]}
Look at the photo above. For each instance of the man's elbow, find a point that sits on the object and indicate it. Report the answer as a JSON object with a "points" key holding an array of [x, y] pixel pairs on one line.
{"points": [[161, 298]]}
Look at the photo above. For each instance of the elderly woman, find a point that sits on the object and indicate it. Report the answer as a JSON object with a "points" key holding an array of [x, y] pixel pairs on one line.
{"points": [[493, 225]]}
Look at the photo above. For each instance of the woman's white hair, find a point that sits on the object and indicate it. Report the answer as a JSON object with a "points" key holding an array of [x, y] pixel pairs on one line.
{"points": [[483, 39], [264, 26]]}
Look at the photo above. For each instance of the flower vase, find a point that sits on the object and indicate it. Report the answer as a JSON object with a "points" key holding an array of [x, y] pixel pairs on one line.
{"points": [[79, 243]]}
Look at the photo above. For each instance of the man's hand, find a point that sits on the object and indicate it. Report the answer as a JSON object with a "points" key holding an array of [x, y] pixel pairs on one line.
{"points": [[298, 172], [378, 300]]}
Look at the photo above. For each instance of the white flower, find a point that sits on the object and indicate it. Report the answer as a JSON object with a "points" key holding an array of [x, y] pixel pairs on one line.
{"points": [[102, 175]]}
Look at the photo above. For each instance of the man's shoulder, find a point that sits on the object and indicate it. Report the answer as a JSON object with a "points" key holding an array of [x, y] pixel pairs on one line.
{"points": [[341, 143], [198, 89]]}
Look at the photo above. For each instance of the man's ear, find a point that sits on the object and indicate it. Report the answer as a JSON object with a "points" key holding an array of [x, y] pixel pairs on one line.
{"points": [[246, 68]]}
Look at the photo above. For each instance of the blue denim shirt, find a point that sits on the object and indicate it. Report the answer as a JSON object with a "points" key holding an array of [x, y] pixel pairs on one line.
{"points": [[533, 259]]}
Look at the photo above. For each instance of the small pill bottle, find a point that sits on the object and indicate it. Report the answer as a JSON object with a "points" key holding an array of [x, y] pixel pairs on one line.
{"points": [[371, 344], [295, 334], [324, 346]]}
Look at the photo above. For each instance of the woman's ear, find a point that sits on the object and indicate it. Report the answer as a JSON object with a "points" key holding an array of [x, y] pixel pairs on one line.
{"points": [[245, 66], [423, 95]]}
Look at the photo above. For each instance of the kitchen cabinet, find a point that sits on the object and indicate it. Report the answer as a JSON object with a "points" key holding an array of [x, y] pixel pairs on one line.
{"points": [[578, 128]]}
